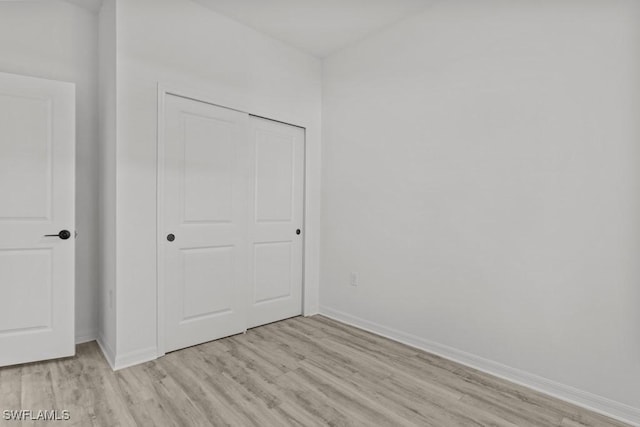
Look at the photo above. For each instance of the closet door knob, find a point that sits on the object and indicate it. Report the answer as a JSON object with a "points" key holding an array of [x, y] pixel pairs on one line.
{"points": [[298, 231], [64, 235], [171, 237]]}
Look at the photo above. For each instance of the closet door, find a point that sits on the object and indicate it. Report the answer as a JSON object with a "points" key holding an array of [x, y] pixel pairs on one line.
{"points": [[205, 189], [276, 226]]}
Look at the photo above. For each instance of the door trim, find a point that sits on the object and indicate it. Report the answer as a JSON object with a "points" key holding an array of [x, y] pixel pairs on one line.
{"points": [[163, 91]]}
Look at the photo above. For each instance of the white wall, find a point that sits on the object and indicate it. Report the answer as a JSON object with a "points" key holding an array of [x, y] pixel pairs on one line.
{"points": [[107, 38], [58, 41], [481, 172], [181, 43]]}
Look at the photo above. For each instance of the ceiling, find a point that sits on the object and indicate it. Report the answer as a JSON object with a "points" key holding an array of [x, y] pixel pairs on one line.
{"points": [[319, 27], [93, 5]]}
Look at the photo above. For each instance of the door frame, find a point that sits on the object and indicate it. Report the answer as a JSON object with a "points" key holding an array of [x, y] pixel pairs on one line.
{"points": [[201, 96]]}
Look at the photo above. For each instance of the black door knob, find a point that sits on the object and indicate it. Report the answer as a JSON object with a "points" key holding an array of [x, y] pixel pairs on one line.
{"points": [[64, 235], [298, 231], [171, 237]]}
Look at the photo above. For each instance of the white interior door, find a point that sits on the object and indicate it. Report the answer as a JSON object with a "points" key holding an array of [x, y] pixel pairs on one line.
{"points": [[204, 205], [37, 196], [276, 225]]}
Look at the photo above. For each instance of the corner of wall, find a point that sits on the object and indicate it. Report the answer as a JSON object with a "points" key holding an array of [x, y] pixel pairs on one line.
{"points": [[107, 351], [107, 332], [135, 358]]}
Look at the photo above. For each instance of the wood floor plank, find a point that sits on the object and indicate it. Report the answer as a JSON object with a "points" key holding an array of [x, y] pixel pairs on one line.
{"points": [[295, 416], [359, 407], [37, 389], [445, 381], [11, 388], [102, 397], [254, 357], [413, 397], [190, 373], [65, 378], [313, 402], [371, 343], [382, 395], [178, 407], [298, 372]]}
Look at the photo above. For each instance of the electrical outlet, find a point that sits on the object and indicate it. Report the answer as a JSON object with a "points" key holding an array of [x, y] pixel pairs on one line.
{"points": [[354, 279]]}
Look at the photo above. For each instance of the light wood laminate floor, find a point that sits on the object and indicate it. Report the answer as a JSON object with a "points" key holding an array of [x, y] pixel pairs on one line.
{"points": [[298, 372]]}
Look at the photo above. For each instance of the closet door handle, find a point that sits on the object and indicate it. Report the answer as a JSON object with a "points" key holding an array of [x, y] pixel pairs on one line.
{"points": [[64, 235]]}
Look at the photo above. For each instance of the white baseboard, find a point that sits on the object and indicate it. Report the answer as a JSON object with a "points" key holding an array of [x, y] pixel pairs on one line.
{"points": [[84, 337], [135, 358], [310, 309], [587, 400], [311, 313], [122, 361], [108, 352]]}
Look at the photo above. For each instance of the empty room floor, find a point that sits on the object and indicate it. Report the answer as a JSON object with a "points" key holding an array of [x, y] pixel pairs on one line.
{"points": [[301, 372]]}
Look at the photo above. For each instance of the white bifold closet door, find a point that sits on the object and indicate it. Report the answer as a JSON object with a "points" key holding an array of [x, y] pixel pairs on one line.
{"points": [[231, 195]]}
